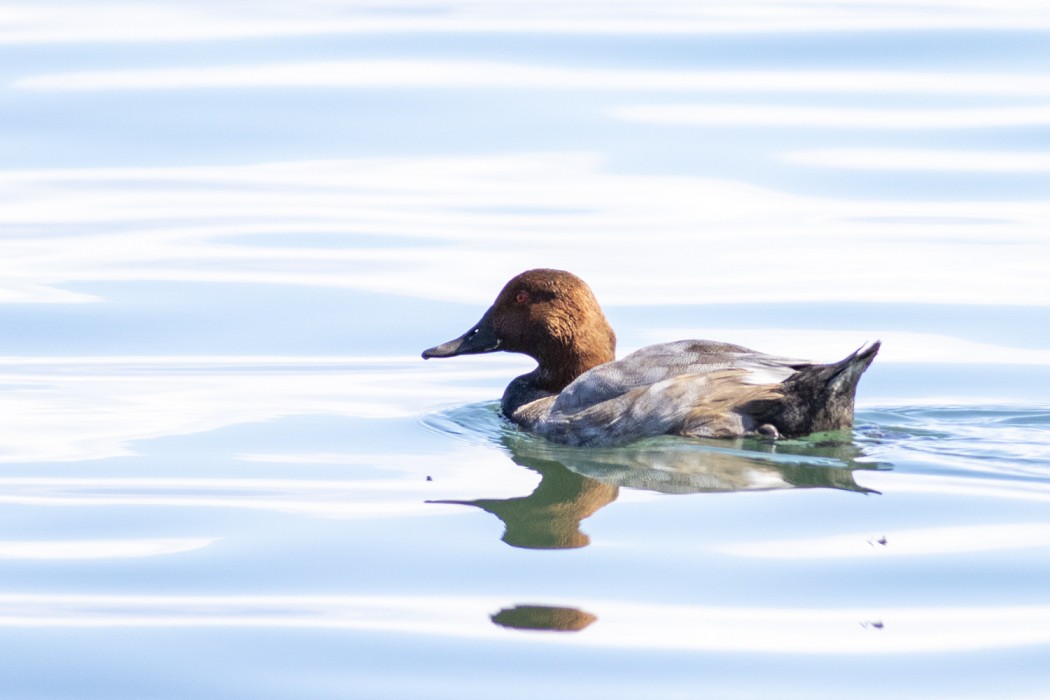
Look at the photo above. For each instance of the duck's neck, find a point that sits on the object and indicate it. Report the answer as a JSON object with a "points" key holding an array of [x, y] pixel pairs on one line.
{"points": [[555, 372], [563, 360], [553, 375]]}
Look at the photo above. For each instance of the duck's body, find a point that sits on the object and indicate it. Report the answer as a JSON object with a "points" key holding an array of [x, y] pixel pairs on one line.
{"points": [[580, 395]]}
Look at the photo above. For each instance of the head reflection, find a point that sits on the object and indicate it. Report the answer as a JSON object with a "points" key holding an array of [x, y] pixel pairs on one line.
{"points": [[549, 517], [543, 617], [577, 482]]}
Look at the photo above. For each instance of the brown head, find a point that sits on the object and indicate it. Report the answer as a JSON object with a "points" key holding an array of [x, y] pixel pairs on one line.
{"points": [[549, 315]]}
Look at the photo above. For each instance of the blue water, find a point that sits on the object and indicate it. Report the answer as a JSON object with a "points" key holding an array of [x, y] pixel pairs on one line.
{"points": [[226, 235]]}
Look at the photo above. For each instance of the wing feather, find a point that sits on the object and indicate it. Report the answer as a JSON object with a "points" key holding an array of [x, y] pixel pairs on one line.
{"points": [[658, 363]]}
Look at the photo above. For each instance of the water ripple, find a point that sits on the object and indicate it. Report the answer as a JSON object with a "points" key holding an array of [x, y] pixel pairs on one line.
{"points": [[1009, 441]]}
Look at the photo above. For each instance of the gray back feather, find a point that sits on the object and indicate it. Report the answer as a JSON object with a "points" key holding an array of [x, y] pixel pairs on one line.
{"points": [[657, 363]]}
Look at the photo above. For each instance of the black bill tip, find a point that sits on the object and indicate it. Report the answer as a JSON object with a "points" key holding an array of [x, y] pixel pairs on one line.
{"points": [[481, 338]]}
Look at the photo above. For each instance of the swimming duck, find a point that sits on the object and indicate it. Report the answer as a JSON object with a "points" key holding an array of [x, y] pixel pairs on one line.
{"points": [[579, 394]]}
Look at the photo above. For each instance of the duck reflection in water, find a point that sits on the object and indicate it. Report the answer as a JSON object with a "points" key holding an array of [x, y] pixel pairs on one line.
{"points": [[549, 517], [577, 482]]}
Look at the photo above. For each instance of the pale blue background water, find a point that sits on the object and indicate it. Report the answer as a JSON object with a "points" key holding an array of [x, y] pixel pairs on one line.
{"points": [[227, 230]]}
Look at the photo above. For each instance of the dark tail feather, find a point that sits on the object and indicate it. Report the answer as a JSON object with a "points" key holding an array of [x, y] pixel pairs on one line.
{"points": [[847, 372], [820, 398]]}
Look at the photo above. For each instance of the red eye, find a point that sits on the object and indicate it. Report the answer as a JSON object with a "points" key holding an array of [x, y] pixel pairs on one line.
{"points": [[521, 297]]}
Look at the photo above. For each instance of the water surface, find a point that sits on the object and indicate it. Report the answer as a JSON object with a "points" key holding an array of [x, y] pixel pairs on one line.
{"points": [[225, 236]]}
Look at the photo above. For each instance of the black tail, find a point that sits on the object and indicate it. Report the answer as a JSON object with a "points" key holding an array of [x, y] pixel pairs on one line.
{"points": [[819, 398], [847, 372]]}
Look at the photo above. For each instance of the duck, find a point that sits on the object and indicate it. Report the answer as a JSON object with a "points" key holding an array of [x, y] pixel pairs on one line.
{"points": [[579, 394]]}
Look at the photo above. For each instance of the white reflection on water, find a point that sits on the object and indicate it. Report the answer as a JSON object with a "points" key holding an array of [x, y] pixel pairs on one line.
{"points": [[361, 498], [478, 213], [834, 118], [980, 488], [194, 21], [621, 624], [98, 549], [345, 499], [91, 408], [925, 541], [440, 74], [917, 159]]}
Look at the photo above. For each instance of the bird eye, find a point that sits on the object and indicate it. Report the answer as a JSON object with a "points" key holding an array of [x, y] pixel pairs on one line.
{"points": [[521, 297]]}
